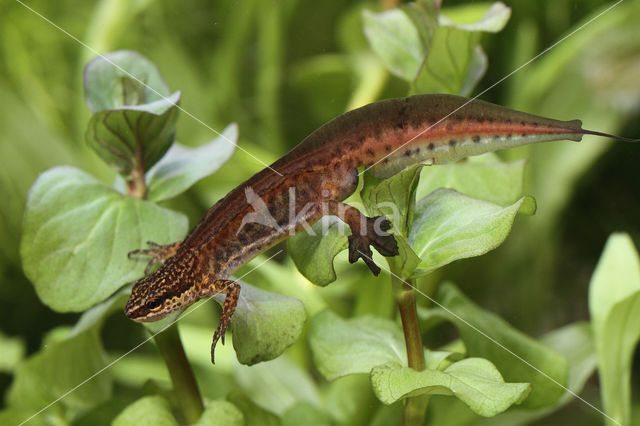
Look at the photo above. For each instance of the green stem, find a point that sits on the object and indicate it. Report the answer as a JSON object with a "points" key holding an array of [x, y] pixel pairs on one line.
{"points": [[184, 382], [415, 408]]}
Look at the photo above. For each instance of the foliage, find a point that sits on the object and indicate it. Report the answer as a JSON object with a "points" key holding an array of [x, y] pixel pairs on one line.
{"points": [[84, 186]]}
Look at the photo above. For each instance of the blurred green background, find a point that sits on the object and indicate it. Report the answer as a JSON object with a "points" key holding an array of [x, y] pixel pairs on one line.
{"points": [[282, 68]]}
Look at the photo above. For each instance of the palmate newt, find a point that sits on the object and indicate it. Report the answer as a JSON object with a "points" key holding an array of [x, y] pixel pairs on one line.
{"points": [[384, 137]]}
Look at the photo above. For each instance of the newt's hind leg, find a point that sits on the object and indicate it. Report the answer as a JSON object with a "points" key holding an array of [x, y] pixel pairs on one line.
{"points": [[365, 232], [158, 253]]}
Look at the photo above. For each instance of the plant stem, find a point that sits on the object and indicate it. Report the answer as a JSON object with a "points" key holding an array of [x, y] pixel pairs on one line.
{"points": [[136, 184], [184, 382], [415, 408]]}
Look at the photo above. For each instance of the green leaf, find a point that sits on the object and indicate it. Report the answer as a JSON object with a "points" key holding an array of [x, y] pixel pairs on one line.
{"points": [[476, 17], [484, 177], [614, 304], [344, 397], [58, 369], [220, 413], [449, 226], [304, 413], [448, 63], [393, 197], [575, 343], [477, 68], [264, 324], [147, 411], [277, 384], [254, 415], [131, 137], [424, 15], [455, 62], [95, 316], [405, 263], [77, 233], [394, 38], [122, 78], [313, 251], [402, 37], [12, 350], [181, 167], [475, 381], [519, 357], [341, 347]]}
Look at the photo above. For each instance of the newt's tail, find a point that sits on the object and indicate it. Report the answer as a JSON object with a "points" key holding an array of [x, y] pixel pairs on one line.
{"points": [[608, 135]]}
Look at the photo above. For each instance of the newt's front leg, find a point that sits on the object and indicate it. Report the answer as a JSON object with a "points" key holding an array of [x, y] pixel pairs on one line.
{"points": [[231, 290], [158, 253]]}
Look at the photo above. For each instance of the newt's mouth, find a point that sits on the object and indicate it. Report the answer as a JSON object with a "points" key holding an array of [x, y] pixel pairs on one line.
{"points": [[148, 317]]}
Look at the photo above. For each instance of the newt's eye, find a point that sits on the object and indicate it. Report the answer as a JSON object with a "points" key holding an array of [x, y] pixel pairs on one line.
{"points": [[153, 304]]}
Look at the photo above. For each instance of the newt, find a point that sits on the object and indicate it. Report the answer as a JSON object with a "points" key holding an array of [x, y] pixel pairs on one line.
{"points": [[384, 137]]}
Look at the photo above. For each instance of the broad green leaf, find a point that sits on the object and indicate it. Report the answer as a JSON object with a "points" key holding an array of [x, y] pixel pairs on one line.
{"points": [[130, 137], [440, 360], [12, 350], [477, 68], [614, 304], [95, 316], [57, 370], [475, 381], [448, 63], [574, 341], [424, 15], [401, 37], [484, 177], [455, 62], [264, 324], [122, 78], [476, 17], [254, 415], [449, 226], [313, 251], [343, 398], [220, 413], [304, 413], [341, 347], [394, 38], [519, 357], [147, 411], [181, 167], [278, 384], [394, 198], [77, 233]]}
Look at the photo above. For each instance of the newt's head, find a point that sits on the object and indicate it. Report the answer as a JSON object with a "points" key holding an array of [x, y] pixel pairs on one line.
{"points": [[164, 291]]}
